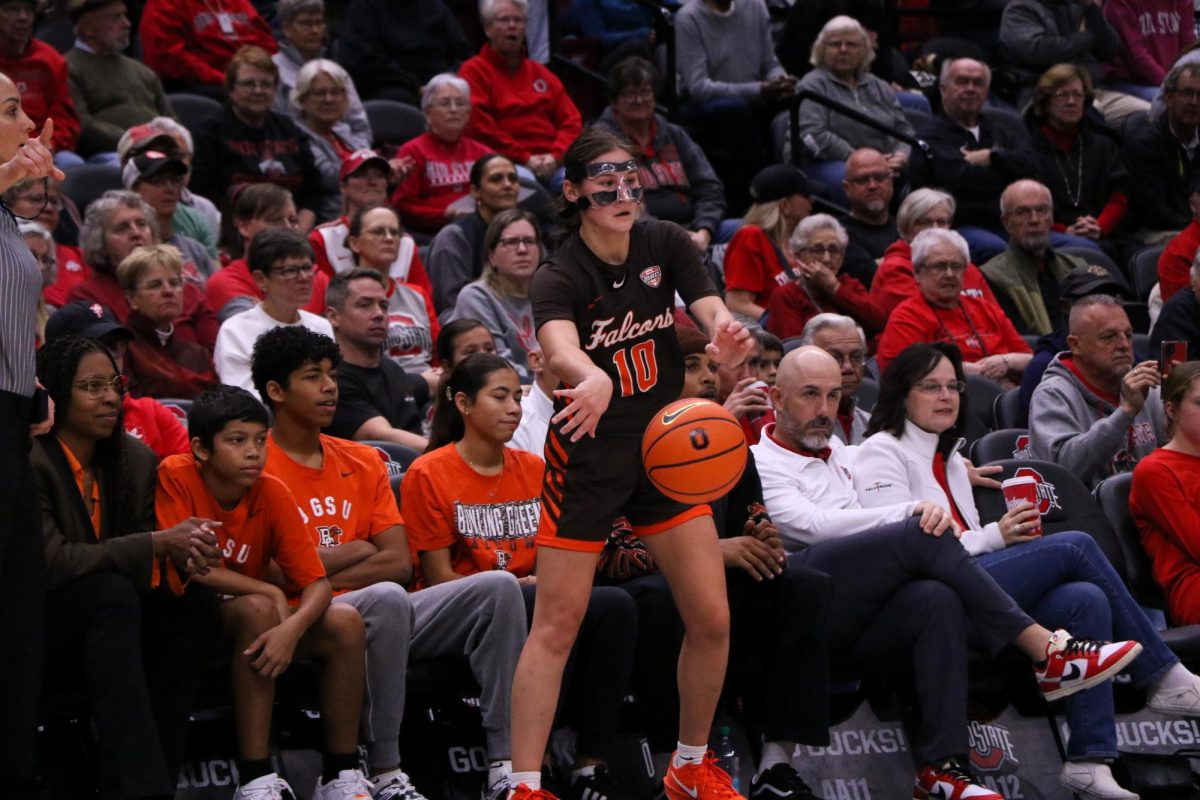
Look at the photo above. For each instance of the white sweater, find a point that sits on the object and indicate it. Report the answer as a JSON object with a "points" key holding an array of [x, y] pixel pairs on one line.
{"points": [[810, 500], [888, 470], [235, 342], [536, 411]]}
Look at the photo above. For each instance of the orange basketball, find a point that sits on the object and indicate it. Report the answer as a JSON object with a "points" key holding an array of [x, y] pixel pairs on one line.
{"points": [[694, 451]]}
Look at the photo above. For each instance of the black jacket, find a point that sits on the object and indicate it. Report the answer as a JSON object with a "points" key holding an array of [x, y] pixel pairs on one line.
{"points": [[1080, 188], [1179, 321], [977, 189], [1158, 197], [386, 44]]}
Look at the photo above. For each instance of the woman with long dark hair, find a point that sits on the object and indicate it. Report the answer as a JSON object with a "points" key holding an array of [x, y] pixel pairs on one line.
{"points": [[604, 312], [471, 504], [1062, 581], [115, 581]]}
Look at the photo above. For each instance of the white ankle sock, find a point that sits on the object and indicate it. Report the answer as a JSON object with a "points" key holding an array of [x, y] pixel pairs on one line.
{"points": [[1177, 677], [531, 780], [688, 754], [775, 753]]}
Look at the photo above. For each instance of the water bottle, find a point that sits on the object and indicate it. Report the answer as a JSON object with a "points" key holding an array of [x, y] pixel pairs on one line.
{"points": [[727, 757]]}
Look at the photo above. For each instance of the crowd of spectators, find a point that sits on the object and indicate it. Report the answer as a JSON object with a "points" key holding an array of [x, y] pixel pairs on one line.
{"points": [[1020, 219]]}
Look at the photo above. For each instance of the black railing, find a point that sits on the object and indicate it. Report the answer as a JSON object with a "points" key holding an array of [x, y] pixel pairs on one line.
{"points": [[918, 145]]}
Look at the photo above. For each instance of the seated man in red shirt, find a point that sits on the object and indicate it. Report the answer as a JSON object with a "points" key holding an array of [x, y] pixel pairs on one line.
{"points": [[990, 345], [518, 107], [189, 42], [41, 73]]}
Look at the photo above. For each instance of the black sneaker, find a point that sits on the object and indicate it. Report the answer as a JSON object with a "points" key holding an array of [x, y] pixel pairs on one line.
{"points": [[597, 786], [781, 781]]}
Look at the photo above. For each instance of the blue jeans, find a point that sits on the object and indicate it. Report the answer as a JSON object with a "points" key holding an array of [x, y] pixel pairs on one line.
{"points": [[1064, 581]]}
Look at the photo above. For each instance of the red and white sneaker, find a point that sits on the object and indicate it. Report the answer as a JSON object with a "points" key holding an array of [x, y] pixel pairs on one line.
{"points": [[950, 782], [702, 780], [1072, 664], [523, 792]]}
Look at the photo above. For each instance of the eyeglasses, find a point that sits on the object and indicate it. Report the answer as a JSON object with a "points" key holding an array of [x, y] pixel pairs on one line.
{"points": [[308, 22], [1191, 95], [515, 19], [944, 266], [598, 168], [40, 200], [855, 359], [157, 285], [933, 388], [451, 102], [513, 242], [295, 271], [383, 232], [874, 177], [819, 250], [331, 93], [164, 180], [255, 85], [933, 222], [1063, 94], [636, 95], [94, 387]]}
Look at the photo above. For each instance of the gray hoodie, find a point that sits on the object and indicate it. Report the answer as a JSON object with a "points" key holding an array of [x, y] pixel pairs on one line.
{"points": [[1073, 427]]}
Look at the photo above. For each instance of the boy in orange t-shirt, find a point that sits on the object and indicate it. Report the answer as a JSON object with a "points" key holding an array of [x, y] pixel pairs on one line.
{"points": [[223, 481], [349, 510]]}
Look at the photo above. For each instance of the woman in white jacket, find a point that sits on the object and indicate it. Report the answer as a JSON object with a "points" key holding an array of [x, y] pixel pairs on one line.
{"points": [[1063, 580]]}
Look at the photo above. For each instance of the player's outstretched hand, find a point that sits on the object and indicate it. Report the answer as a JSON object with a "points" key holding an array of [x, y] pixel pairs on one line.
{"points": [[730, 344], [586, 403], [34, 159]]}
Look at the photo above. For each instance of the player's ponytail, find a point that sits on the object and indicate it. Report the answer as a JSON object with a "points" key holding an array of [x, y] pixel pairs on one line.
{"points": [[467, 378]]}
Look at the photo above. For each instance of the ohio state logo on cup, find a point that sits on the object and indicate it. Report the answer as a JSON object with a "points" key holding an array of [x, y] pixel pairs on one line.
{"points": [[1046, 493]]}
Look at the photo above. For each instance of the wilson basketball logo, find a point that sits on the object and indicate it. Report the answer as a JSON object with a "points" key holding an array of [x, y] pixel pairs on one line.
{"points": [[1047, 494]]}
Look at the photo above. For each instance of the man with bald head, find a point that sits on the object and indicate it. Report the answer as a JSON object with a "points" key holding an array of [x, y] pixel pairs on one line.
{"points": [[902, 582], [1026, 275], [1096, 411], [974, 154], [872, 229], [844, 340]]}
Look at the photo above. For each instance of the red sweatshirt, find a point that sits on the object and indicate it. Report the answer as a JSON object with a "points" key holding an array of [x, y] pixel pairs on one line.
{"points": [[1153, 34], [895, 281], [521, 113], [793, 305], [1175, 263], [70, 271], [197, 323], [440, 175], [979, 328], [1165, 507], [41, 77], [155, 425], [192, 40]]}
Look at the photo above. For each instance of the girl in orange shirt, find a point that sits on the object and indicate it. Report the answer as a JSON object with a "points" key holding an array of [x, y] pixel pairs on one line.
{"points": [[472, 504]]}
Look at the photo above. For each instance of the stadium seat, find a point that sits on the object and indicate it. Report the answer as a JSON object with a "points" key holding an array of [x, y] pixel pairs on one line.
{"points": [[1064, 501], [393, 122], [177, 406], [87, 182], [1006, 409], [193, 109], [981, 396], [1141, 347], [396, 480], [1100, 259], [1006, 443], [791, 343], [867, 394], [1143, 269], [58, 33], [1113, 495], [397, 457]]}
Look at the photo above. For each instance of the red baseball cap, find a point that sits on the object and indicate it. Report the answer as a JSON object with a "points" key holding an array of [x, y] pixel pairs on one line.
{"points": [[362, 158]]}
